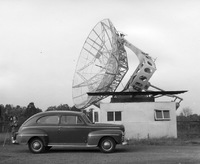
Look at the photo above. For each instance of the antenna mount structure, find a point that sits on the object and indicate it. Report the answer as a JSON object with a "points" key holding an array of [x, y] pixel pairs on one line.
{"points": [[102, 65]]}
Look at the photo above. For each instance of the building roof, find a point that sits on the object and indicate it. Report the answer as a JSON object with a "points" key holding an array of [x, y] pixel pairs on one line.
{"points": [[151, 93]]}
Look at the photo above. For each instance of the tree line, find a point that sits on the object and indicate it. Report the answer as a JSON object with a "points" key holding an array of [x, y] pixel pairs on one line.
{"points": [[186, 114], [23, 113], [188, 124]]}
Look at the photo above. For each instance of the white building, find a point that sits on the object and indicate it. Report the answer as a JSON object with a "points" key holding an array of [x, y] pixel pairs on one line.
{"points": [[141, 119]]}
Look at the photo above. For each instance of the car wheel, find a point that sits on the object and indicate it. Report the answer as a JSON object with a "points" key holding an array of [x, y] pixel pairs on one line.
{"points": [[107, 145], [36, 145]]}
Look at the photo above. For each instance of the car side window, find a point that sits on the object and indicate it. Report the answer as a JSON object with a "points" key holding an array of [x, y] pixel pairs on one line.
{"points": [[48, 120], [69, 120]]}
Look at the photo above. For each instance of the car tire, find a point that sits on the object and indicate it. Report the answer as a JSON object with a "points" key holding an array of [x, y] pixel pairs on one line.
{"points": [[36, 145], [107, 145]]}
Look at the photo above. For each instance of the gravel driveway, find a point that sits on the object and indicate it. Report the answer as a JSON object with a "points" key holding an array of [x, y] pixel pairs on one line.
{"points": [[18, 154]]}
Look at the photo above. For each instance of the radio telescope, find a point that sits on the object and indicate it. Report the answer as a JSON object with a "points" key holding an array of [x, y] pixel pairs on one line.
{"points": [[101, 66], [103, 63]]}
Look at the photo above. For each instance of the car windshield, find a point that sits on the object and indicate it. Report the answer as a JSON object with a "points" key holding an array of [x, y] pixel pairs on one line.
{"points": [[87, 120]]}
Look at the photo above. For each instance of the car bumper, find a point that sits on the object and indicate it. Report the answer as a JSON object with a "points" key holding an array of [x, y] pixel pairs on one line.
{"points": [[125, 142], [19, 139], [14, 139]]}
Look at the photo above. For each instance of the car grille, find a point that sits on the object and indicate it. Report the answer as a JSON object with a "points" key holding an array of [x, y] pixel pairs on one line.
{"points": [[123, 136]]}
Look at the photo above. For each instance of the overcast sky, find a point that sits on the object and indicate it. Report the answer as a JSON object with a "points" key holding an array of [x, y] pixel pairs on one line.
{"points": [[40, 42]]}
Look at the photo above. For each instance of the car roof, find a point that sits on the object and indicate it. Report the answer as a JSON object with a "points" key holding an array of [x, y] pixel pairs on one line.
{"points": [[61, 111], [57, 112]]}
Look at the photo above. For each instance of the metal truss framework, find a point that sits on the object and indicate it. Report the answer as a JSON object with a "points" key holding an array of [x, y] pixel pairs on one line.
{"points": [[102, 64]]}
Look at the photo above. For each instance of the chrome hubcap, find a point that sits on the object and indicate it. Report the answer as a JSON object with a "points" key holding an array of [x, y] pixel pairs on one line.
{"points": [[107, 145], [36, 145]]}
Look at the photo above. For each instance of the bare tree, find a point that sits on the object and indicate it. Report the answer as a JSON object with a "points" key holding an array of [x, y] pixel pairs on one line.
{"points": [[186, 112]]}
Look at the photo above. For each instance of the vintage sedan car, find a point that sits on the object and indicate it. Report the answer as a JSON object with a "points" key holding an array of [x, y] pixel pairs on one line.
{"points": [[68, 128]]}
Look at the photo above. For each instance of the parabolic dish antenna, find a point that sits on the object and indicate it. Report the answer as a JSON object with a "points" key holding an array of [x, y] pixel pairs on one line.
{"points": [[103, 63], [101, 66]]}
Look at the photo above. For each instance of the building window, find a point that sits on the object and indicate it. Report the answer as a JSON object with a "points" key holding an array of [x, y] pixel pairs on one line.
{"points": [[162, 115], [114, 116], [118, 116], [110, 116], [96, 117], [166, 114]]}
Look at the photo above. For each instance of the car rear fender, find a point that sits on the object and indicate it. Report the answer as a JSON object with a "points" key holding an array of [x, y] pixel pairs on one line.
{"points": [[95, 136], [26, 135]]}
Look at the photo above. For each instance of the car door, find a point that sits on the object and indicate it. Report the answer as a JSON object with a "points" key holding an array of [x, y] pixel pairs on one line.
{"points": [[73, 130], [50, 124]]}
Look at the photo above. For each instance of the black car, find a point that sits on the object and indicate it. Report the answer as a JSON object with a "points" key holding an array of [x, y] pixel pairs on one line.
{"points": [[67, 128]]}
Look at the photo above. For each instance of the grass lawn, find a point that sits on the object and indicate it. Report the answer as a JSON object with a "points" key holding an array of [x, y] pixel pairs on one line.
{"points": [[5, 137]]}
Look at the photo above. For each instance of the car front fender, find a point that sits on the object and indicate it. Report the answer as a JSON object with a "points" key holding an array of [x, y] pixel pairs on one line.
{"points": [[25, 135], [95, 136]]}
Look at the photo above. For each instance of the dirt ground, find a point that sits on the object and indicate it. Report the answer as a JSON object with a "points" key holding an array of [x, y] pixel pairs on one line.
{"points": [[19, 154]]}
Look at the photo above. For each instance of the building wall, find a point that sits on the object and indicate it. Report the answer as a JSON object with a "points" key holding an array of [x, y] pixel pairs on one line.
{"points": [[139, 119]]}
